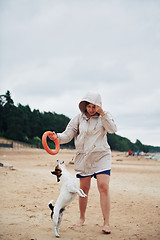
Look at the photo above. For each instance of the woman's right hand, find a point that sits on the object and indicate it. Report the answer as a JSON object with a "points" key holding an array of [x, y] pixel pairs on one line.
{"points": [[53, 137], [100, 110]]}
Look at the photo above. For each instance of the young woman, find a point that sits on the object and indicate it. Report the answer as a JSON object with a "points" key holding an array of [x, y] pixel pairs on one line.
{"points": [[93, 154]]}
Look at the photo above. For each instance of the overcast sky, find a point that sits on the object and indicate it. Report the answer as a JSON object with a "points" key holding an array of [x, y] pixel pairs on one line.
{"points": [[54, 51]]}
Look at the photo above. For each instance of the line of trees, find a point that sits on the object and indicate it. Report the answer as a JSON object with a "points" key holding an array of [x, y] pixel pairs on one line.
{"points": [[22, 124], [124, 144]]}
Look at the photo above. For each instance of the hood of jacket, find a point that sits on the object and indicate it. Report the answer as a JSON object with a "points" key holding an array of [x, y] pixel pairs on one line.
{"points": [[90, 97]]}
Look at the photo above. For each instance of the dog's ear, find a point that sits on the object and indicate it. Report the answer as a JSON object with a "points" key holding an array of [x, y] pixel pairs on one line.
{"points": [[57, 174], [54, 172], [58, 178]]}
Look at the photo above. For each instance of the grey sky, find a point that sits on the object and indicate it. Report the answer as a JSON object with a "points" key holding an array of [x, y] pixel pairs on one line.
{"points": [[53, 52]]}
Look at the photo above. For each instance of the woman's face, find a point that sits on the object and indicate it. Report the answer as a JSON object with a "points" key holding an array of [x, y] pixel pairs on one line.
{"points": [[91, 109]]}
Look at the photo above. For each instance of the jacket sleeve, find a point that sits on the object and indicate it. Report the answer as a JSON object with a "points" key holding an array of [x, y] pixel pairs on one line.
{"points": [[70, 132], [108, 123]]}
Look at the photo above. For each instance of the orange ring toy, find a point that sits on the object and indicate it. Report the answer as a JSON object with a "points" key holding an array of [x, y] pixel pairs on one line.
{"points": [[45, 145]]}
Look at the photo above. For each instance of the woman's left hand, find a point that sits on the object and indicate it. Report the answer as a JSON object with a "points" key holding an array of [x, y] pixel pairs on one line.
{"points": [[100, 110]]}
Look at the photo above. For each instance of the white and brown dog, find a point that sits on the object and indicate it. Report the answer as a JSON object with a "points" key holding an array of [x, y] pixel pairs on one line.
{"points": [[68, 192]]}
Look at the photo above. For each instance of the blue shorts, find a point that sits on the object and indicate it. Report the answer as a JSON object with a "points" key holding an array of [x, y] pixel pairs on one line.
{"points": [[108, 172]]}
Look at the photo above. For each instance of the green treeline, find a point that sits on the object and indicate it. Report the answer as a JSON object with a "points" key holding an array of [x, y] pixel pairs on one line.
{"points": [[124, 144], [21, 124]]}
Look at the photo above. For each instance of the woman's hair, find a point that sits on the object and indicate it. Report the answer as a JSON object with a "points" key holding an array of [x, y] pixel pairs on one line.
{"points": [[86, 105]]}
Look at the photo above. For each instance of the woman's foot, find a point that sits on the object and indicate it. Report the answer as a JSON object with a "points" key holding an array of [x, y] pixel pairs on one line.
{"points": [[106, 229], [80, 223]]}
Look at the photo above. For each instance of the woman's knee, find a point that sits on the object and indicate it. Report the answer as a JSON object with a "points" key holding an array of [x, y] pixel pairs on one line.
{"points": [[103, 184], [85, 189], [85, 184], [103, 188]]}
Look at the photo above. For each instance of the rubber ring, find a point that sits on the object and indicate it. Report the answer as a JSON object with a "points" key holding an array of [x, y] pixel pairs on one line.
{"points": [[45, 145]]}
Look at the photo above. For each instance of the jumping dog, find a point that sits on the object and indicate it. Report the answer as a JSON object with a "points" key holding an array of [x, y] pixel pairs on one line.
{"points": [[68, 192]]}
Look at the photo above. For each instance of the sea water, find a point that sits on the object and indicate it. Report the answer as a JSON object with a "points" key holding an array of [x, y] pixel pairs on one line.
{"points": [[154, 156]]}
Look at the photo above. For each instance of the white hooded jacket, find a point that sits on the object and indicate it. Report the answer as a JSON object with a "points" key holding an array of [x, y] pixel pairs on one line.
{"points": [[90, 137]]}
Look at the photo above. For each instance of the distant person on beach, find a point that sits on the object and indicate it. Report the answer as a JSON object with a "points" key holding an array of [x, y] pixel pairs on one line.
{"points": [[93, 154], [129, 152]]}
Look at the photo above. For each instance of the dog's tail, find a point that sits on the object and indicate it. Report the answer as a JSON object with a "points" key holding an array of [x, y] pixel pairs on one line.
{"points": [[51, 207]]}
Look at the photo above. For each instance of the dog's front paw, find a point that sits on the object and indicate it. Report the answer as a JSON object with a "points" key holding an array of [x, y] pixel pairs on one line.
{"points": [[81, 193]]}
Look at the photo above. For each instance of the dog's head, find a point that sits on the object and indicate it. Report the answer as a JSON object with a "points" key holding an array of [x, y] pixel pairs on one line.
{"points": [[58, 170]]}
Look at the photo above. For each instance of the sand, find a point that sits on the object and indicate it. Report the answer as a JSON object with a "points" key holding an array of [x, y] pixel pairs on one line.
{"points": [[28, 186]]}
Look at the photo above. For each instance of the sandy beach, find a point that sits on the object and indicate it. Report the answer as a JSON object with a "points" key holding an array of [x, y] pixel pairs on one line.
{"points": [[28, 186]]}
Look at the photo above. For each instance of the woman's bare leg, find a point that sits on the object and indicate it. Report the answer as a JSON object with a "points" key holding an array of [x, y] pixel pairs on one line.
{"points": [[85, 186], [103, 187]]}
